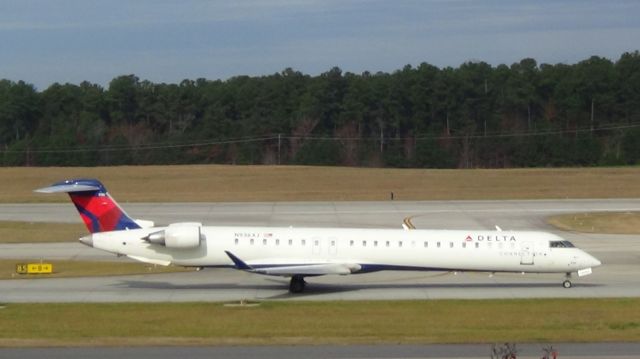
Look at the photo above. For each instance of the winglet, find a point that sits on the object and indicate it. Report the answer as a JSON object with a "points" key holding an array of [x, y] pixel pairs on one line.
{"points": [[238, 262]]}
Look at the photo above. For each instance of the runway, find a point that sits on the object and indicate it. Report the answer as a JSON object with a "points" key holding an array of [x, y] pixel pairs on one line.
{"points": [[619, 276], [451, 351]]}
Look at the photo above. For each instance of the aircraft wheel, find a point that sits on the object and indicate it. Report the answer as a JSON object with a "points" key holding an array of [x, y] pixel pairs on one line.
{"points": [[566, 284], [297, 284]]}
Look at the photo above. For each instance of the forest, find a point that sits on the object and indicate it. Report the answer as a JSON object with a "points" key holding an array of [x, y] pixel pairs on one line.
{"points": [[473, 116]]}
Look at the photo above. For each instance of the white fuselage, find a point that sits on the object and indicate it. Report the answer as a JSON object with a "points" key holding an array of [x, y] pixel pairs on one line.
{"points": [[369, 249]]}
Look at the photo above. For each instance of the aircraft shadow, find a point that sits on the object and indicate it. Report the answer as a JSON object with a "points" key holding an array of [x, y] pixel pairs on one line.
{"points": [[321, 289], [313, 289]]}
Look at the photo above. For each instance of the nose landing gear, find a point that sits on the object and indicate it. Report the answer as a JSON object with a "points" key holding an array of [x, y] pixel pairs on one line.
{"points": [[567, 282]]}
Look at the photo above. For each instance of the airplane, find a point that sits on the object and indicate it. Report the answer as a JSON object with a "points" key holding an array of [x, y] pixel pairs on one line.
{"points": [[297, 253]]}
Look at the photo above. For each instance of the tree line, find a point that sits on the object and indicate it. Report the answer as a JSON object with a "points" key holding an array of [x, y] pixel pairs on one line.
{"points": [[475, 115]]}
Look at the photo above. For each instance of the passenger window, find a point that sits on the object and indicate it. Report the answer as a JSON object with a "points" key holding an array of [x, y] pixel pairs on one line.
{"points": [[304, 242], [375, 243], [316, 243], [291, 242], [277, 242], [364, 243], [400, 244], [426, 244], [438, 244], [351, 243], [264, 242], [236, 240], [333, 243], [251, 241], [477, 245], [387, 243], [464, 244], [450, 244]]}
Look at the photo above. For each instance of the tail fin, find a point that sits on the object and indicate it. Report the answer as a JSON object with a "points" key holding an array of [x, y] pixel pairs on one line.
{"points": [[98, 210]]}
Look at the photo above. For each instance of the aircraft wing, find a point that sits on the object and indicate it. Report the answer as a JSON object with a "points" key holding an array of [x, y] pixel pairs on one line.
{"points": [[310, 269], [287, 270]]}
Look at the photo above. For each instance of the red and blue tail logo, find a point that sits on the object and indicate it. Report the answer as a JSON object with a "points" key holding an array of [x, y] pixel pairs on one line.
{"points": [[98, 210]]}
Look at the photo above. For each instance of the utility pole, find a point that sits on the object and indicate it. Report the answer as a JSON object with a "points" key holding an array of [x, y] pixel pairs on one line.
{"points": [[279, 142], [448, 133], [592, 105]]}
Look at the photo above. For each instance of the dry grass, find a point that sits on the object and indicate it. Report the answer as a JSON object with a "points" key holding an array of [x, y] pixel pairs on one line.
{"points": [[64, 269], [451, 321], [203, 183], [599, 222], [40, 232]]}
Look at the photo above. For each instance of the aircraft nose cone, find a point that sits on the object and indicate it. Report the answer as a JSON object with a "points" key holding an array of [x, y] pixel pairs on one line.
{"points": [[596, 262], [87, 240], [592, 261]]}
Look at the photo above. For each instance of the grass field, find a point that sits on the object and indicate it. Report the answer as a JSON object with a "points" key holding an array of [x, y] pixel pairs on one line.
{"points": [[40, 232], [452, 321], [599, 222], [202, 183], [63, 269]]}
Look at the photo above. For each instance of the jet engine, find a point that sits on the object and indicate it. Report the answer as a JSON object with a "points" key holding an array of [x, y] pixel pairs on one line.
{"points": [[177, 235]]}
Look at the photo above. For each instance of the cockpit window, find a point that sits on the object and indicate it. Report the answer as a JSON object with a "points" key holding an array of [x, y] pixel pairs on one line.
{"points": [[561, 244]]}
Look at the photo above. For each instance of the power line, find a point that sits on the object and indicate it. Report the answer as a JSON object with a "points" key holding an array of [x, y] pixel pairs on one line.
{"points": [[280, 137], [454, 137], [143, 147]]}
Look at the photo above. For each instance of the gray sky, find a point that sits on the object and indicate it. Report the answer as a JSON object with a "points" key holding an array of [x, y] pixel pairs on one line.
{"points": [[46, 41]]}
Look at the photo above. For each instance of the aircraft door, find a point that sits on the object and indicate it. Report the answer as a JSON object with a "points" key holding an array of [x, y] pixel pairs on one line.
{"points": [[526, 253]]}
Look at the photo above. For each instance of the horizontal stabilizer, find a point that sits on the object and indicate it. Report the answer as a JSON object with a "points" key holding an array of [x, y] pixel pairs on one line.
{"points": [[67, 188]]}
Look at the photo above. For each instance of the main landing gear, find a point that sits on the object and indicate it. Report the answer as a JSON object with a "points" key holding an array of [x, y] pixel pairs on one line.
{"points": [[567, 282], [297, 284]]}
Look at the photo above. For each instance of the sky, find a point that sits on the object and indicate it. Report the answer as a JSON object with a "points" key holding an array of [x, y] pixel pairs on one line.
{"points": [[48, 41]]}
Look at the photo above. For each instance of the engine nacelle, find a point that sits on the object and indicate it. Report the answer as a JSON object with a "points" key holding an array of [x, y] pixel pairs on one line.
{"points": [[177, 235]]}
